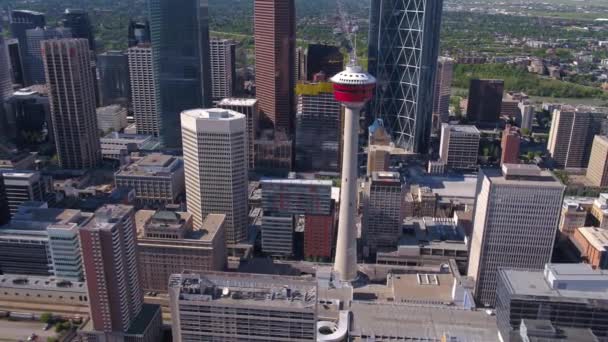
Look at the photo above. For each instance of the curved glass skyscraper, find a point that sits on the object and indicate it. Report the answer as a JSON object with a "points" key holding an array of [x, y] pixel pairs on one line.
{"points": [[403, 51], [180, 57]]}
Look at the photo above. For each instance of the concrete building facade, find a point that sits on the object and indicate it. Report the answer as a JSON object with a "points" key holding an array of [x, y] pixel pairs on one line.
{"points": [[442, 92], [383, 210], [459, 146], [597, 170], [222, 56], [251, 110], [143, 95]]}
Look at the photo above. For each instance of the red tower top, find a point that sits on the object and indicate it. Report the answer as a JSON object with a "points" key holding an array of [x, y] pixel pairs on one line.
{"points": [[353, 86]]}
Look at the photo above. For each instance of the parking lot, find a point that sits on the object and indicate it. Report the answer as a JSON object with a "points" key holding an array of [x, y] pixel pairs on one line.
{"points": [[21, 330]]}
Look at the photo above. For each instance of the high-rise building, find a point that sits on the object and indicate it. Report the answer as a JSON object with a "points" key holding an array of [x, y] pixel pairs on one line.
{"points": [[114, 83], [568, 295], [14, 54], [319, 235], [215, 158], [323, 58], [143, 93], [21, 187], [251, 110], [180, 59], [116, 298], [383, 210], [31, 110], [34, 65], [485, 101], [72, 94], [6, 89], [275, 36], [511, 139], [515, 223], [242, 307], [168, 245], [223, 67], [572, 132], [79, 22], [112, 118], [443, 91], [20, 22], [5, 214], [318, 128], [139, 33], [459, 146], [597, 171], [403, 52], [42, 241]]}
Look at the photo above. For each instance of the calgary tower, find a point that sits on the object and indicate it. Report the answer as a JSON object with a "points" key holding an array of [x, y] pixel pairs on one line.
{"points": [[353, 88]]}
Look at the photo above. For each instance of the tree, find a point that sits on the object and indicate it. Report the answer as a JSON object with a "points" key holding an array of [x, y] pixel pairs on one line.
{"points": [[46, 317], [525, 132]]}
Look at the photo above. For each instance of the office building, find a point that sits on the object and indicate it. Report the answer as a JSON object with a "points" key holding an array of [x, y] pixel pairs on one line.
{"points": [[319, 235], [378, 135], [112, 118], [378, 159], [442, 92], [68, 71], [282, 201], [236, 306], [6, 84], [251, 110], [592, 244], [318, 128], [383, 210], [14, 55], [158, 179], [568, 295], [30, 108], [215, 158], [597, 171], [139, 32], [403, 52], [511, 139], [459, 146], [109, 255], [322, 58], [21, 187], [485, 101], [79, 23], [516, 217], [274, 27], [44, 242], [113, 73], [572, 132], [420, 201], [5, 214], [34, 291], [143, 93], [180, 59], [169, 245], [119, 146], [575, 214], [34, 65], [20, 22], [273, 152], [223, 68], [16, 160], [526, 115]]}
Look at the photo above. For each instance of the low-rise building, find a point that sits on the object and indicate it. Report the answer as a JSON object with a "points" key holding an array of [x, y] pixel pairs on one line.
{"points": [[420, 201], [157, 179], [575, 211], [592, 243], [117, 146], [42, 290]]}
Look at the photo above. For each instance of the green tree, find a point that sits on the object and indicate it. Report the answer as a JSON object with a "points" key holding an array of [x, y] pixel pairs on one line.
{"points": [[46, 317], [525, 132]]}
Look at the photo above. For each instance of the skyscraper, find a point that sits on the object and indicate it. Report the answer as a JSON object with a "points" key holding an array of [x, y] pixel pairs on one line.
{"points": [[572, 133], [16, 61], [318, 126], [597, 171], [515, 221], [72, 95], [143, 90], [323, 58], [21, 21], [109, 256], [34, 66], [113, 70], [382, 210], [6, 84], [180, 50], [79, 22], [459, 146], [403, 52], [223, 67], [275, 39], [251, 110], [485, 101], [443, 90], [215, 158], [139, 33]]}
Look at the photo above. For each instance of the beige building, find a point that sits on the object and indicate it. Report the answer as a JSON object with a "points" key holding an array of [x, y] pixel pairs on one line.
{"points": [[575, 211], [378, 158], [143, 95], [420, 202], [383, 210], [459, 146], [249, 108], [516, 218], [43, 290], [215, 158], [168, 245], [597, 171]]}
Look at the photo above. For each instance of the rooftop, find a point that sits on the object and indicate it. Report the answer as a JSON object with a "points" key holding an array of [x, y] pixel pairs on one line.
{"points": [[284, 181], [522, 175], [254, 289], [32, 219], [597, 237], [44, 283], [386, 177], [234, 101], [469, 129], [154, 164], [215, 114]]}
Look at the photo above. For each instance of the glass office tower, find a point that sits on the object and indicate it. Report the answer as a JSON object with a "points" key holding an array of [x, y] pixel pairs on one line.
{"points": [[403, 51]]}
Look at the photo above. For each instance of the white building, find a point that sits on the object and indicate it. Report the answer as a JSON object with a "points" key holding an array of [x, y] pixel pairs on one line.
{"points": [[21, 187], [143, 93], [116, 145], [222, 53], [527, 112], [215, 157], [459, 146], [112, 118], [249, 108], [515, 222]]}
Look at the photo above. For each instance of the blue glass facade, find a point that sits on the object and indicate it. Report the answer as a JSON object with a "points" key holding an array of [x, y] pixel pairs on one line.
{"points": [[403, 51], [180, 48]]}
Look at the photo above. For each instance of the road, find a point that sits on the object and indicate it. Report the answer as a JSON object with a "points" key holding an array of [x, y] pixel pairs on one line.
{"points": [[21, 330]]}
